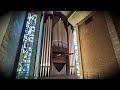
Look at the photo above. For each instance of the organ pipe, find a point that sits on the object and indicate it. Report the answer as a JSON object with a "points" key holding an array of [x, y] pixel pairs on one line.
{"points": [[59, 39]]}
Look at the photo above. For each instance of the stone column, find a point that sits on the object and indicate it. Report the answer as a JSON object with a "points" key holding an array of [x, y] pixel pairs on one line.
{"points": [[113, 36]]}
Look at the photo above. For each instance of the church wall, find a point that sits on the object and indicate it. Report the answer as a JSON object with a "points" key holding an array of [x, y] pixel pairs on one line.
{"points": [[116, 20], [98, 56], [9, 45], [4, 21]]}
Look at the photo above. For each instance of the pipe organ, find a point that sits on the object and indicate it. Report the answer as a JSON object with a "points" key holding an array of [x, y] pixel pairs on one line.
{"points": [[57, 49]]}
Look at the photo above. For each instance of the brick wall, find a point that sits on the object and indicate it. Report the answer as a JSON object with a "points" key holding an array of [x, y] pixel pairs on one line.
{"points": [[98, 56], [113, 35]]}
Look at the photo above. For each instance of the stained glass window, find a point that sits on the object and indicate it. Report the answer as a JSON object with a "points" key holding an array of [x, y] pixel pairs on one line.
{"points": [[26, 50]]}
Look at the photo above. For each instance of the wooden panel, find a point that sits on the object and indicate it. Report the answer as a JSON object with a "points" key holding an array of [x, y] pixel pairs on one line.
{"points": [[59, 60], [58, 49], [62, 77]]}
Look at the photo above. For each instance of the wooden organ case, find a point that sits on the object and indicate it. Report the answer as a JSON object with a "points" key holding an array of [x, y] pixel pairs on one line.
{"points": [[57, 49]]}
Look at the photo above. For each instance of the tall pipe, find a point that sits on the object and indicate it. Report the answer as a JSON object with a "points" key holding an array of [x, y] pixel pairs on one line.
{"points": [[41, 64]]}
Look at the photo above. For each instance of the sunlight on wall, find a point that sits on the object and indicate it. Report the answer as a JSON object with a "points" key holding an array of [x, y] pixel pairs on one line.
{"points": [[76, 54]]}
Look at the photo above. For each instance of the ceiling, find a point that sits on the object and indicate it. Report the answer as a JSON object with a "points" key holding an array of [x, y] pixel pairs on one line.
{"points": [[77, 17]]}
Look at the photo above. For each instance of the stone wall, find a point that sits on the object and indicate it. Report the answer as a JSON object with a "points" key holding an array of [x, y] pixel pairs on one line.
{"points": [[116, 20], [4, 21], [9, 45]]}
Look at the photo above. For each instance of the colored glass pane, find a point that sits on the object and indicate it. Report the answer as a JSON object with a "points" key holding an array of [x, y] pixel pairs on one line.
{"points": [[26, 49]]}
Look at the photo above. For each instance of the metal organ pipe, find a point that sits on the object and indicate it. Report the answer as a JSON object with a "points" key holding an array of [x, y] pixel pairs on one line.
{"points": [[71, 50], [64, 35], [46, 48], [69, 35], [44, 55], [50, 31], [59, 35], [59, 40], [41, 65], [59, 32], [55, 36]]}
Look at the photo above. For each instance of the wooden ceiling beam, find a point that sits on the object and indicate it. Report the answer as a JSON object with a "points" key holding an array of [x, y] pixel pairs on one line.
{"points": [[78, 16], [70, 14], [83, 20]]}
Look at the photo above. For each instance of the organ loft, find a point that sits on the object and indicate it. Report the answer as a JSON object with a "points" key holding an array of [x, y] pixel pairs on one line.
{"points": [[59, 45]]}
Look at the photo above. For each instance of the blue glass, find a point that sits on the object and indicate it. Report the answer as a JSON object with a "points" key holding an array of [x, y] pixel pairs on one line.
{"points": [[25, 69], [26, 49]]}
